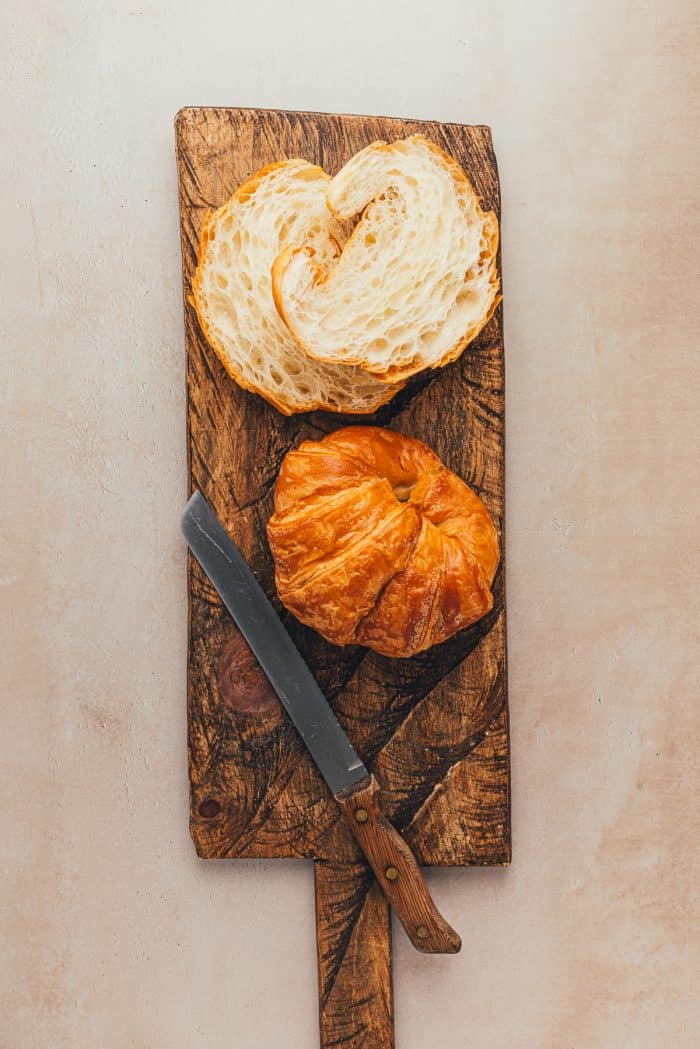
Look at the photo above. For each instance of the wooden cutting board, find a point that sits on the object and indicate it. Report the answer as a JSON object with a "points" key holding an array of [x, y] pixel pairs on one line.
{"points": [[434, 729]]}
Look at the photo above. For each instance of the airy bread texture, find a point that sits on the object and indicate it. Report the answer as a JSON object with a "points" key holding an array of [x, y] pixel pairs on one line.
{"points": [[416, 281], [283, 204], [376, 543]]}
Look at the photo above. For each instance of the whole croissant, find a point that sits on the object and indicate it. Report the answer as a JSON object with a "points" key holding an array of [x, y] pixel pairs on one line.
{"points": [[376, 543]]}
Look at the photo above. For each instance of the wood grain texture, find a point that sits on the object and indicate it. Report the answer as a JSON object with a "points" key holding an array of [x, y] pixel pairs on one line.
{"points": [[433, 729], [355, 994]]}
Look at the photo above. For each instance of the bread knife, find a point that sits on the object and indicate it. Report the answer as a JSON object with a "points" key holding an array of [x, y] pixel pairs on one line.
{"points": [[353, 787]]}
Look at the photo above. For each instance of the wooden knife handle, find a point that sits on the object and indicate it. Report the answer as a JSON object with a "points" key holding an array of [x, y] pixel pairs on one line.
{"points": [[396, 870]]}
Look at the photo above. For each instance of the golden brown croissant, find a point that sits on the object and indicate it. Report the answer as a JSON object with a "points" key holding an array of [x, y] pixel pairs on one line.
{"points": [[376, 543]]}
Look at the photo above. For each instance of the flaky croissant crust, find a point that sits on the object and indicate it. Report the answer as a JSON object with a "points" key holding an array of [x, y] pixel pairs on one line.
{"points": [[376, 543]]}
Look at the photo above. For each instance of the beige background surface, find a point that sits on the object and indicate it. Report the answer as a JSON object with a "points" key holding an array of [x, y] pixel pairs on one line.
{"points": [[114, 935]]}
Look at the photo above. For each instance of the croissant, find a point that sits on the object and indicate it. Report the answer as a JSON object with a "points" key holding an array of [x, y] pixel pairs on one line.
{"points": [[376, 543], [232, 292], [416, 281]]}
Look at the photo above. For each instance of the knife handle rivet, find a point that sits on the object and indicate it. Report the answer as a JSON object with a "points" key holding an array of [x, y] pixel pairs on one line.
{"points": [[361, 815], [422, 932], [209, 808], [391, 873]]}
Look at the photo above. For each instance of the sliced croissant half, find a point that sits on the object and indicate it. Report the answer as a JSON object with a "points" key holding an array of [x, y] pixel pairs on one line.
{"points": [[417, 279], [231, 292]]}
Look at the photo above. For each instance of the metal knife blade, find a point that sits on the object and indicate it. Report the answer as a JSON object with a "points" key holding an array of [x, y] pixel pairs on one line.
{"points": [[274, 649], [355, 790]]}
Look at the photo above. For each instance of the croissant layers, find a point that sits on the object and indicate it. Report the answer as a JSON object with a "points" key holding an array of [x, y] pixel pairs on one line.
{"points": [[376, 543]]}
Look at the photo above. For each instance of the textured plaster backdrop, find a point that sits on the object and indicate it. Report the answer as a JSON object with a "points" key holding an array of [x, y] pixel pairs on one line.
{"points": [[114, 935]]}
